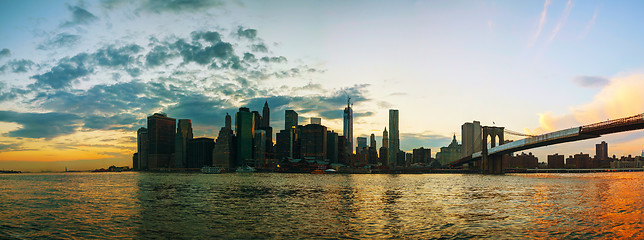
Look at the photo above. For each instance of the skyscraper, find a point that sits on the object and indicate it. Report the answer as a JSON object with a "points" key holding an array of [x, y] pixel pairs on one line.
{"points": [[266, 116], [601, 151], [313, 141], [385, 138], [224, 150], [266, 126], [332, 146], [373, 141], [471, 138], [161, 132], [244, 130], [259, 149], [199, 152], [290, 119], [142, 144], [184, 134], [348, 125], [362, 144], [394, 142]]}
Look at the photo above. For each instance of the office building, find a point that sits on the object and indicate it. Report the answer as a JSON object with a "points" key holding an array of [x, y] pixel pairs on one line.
{"points": [[348, 125], [422, 155], [161, 134], [200, 152], [224, 150], [394, 142], [290, 119], [601, 151], [244, 132], [362, 144], [184, 134], [556, 161], [332, 146], [373, 141], [259, 147], [142, 144], [471, 138], [313, 141]]}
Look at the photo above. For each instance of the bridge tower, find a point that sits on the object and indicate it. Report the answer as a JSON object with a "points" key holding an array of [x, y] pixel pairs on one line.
{"points": [[492, 164]]}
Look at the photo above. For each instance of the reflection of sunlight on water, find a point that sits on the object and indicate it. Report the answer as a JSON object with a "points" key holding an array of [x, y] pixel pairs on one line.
{"points": [[153, 205]]}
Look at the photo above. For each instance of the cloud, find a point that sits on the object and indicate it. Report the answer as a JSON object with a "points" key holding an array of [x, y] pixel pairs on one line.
{"points": [[5, 53], [562, 20], [67, 70], [591, 81], [542, 21], [18, 66], [409, 141], [112, 56], [60, 40], [589, 25], [176, 6], [118, 121], [247, 33], [40, 125], [259, 48], [80, 16]]}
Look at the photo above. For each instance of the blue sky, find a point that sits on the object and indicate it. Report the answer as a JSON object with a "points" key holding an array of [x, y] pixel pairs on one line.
{"points": [[78, 77]]}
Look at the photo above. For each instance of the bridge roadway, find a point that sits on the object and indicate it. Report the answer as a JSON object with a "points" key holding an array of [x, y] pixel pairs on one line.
{"points": [[568, 135]]}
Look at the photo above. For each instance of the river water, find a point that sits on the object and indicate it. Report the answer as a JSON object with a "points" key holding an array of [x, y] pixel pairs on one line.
{"points": [[273, 205]]}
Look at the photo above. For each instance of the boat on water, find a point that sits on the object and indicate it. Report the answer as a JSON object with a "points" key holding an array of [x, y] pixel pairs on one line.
{"points": [[245, 169], [210, 170], [318, 171]]}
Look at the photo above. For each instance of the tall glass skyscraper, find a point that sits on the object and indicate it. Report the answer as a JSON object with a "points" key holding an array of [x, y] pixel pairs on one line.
{"points": [[184, 134], [244, 130], [394, 142], [161, 132], [348, 125]]}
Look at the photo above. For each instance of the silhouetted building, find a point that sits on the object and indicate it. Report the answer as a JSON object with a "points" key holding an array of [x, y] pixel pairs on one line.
{"points": [[224, 150], [409, 157], [521, 161], [556, 161], [372, 155], [161, 132], [313, 141], [259, 148], [290, 119], [422, 155], [142, 145], [601, 151], [385, 139], [343, 152], [400, 158], [184, 134], [244, 132], [580, 161], [450, 153], [362, 144], [348, 125], [135, 161], [332, 146], [266, 126], [384, 156], [200, 152], [373, 141], [394, 142], [471, 138]]}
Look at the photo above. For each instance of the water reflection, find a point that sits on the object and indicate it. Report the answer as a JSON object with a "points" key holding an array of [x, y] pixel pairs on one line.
{"points": [[249, 206]]}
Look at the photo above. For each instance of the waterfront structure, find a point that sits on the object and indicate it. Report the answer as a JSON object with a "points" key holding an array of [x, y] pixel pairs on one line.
{"points": [[522, 160], [244, 132], [313, 141], [450, 153], [471, 138], [556, 161], [362, 144], [200, 152], [332, 146], [348, 125], [394, 143], [373, 141], [161, 133], [422, 155], [224, 150], [581, 160], [184, 134], [142, 144]]}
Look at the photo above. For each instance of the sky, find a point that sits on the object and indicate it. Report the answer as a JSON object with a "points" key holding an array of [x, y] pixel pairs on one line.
{"points": [[77, 78]]}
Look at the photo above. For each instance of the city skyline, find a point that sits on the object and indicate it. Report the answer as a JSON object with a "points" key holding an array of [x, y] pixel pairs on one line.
{"points": [[78, 79]]}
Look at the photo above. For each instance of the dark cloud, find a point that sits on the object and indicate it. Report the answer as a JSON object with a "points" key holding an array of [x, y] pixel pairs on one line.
{"points": [[5, 53], [208, 36], [201, 109], [158, 56], [112, 56], [80, 16], [259, 48], [60, 40], [280, 59], [67, 70], [203, 55], [248, 33], [591, 81], [41, 125], [159, 6], [119, 121], [18, 66]]}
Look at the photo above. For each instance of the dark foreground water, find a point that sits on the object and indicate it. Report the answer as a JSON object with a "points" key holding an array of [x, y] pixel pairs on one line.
{"points": [[269, 205]]}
